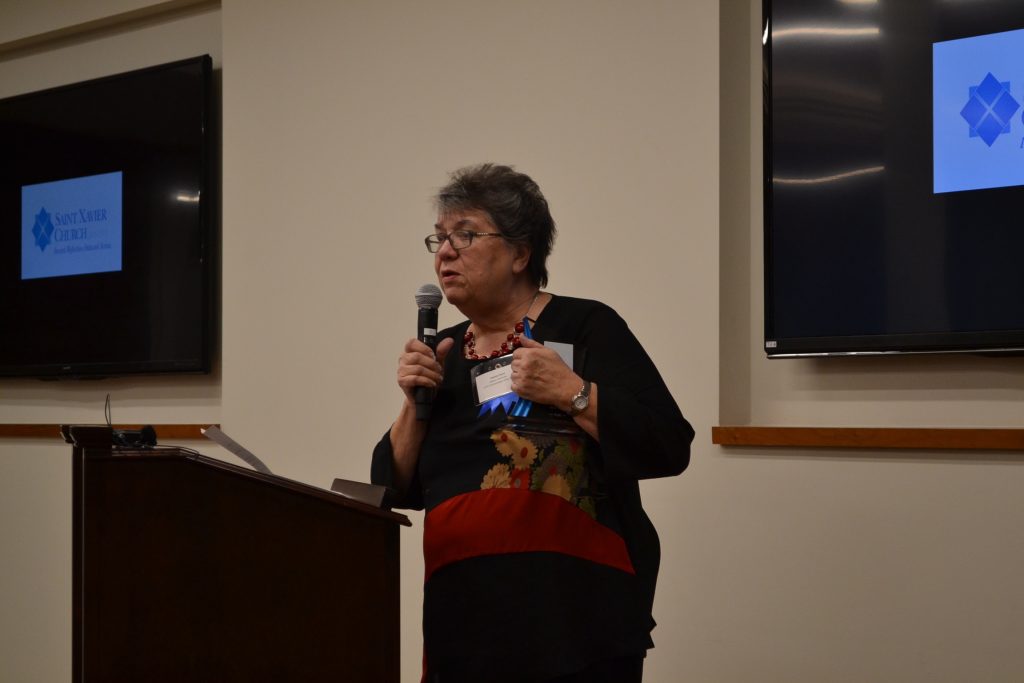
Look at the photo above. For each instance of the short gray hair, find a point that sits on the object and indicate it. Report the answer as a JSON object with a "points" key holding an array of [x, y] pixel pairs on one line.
{"points": [[514, 203]]}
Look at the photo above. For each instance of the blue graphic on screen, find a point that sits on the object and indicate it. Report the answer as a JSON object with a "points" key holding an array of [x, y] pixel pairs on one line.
{"points": [[989, 109], [71, 227], [978, 134]]}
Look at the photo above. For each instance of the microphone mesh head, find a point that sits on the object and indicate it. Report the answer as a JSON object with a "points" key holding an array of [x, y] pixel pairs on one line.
{"points": [[428, 296]]}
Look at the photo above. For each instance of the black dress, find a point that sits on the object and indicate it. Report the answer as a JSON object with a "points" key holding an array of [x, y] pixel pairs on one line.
{"points": [[540, 560]]}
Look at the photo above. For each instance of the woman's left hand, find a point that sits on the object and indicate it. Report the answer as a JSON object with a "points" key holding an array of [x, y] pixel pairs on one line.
{"points": [[540, 375]]}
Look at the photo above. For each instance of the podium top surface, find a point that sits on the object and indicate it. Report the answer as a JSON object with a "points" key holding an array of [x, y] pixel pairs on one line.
{"points": [[95, 440]]}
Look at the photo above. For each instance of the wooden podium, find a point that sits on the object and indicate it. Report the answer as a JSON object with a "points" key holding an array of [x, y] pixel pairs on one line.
{"points": [[191, 569]]}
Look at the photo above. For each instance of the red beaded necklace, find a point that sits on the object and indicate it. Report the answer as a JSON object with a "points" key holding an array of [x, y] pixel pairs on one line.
{"points": [[510, 344]]}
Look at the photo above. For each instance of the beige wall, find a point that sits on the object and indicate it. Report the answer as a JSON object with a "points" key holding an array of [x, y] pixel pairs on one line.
{"points": [[27, 18], [339, 121]]}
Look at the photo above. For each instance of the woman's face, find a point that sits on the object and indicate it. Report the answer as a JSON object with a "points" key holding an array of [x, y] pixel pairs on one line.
{"points": [[481, 275]]}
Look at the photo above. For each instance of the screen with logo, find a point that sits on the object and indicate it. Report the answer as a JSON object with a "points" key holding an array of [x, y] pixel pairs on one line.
{"points": [[71, 227], [106, 231], [978, 88], [894, 176]]}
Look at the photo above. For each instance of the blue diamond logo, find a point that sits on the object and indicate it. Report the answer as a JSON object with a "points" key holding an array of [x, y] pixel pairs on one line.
{"points": [[989, 109], [42, 229]]}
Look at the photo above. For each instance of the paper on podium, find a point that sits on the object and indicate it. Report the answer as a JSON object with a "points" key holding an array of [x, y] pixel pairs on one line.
{"points": [[370, 494], [213, 433]]}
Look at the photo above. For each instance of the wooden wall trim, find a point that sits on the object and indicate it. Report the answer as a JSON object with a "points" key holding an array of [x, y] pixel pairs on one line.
{"points": [[770, 437], [870, 437], [156, 11], [52, 431]]}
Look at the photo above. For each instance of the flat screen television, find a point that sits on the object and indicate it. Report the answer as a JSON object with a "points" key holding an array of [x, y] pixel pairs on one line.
{"points": [[894, 176], [106, 231]]}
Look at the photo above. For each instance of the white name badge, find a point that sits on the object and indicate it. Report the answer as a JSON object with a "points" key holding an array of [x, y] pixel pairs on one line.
{"points": [[493, 384], [492, 379]]}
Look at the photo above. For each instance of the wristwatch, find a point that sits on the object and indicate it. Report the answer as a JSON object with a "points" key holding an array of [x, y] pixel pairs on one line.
{"points": [[579, 402]]}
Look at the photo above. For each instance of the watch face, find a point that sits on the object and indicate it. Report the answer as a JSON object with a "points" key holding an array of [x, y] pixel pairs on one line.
{"points": [[580, 403]]}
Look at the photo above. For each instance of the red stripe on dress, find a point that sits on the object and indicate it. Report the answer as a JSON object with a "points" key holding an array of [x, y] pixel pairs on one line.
{"points": [[499, 521]]}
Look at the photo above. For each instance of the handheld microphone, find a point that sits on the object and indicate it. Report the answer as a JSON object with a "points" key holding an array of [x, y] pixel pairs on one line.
{"points": [[428, 298]]}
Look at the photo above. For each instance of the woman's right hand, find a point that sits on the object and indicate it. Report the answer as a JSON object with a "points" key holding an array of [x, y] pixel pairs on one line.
{"points": [[418, 366]]}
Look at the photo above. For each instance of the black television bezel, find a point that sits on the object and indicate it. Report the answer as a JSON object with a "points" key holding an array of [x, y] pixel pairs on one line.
{"points": [[207, 227], [998, 342]]}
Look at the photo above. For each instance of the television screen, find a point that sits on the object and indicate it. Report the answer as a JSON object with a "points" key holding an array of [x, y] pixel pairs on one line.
{"points": [[894, 176], [105, 226]]}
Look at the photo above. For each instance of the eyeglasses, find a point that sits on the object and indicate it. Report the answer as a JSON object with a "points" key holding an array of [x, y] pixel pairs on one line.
{"points": [[459, 239]]}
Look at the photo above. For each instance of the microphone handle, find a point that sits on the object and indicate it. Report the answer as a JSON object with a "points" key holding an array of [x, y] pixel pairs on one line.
{"points": [[426, 332]]}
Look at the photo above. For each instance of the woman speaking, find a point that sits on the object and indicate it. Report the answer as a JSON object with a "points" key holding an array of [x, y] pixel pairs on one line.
{"points": [[540, 561]]}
